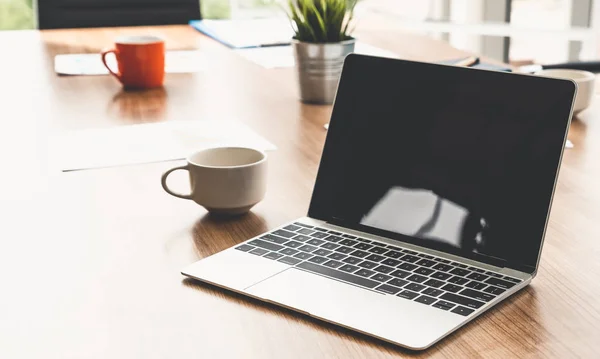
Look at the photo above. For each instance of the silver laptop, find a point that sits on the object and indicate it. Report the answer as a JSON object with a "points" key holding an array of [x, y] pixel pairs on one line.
{"points": [[429, 208]]}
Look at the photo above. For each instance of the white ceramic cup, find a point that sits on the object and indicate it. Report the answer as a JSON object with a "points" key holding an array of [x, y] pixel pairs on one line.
{"points": [[224, 180], [585, 85]]}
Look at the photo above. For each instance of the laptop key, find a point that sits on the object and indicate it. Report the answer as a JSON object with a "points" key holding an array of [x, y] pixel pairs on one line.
{"points": [[409, 252], [478, 276], [266, 245], [423, 271], [378, 250], [273, 255], [415, 287], [494, 290], [348, 242], [288, 251], [452, 288], [400, 273], [290, 260], [292, 227], [375, 258], [333, 264], [381, 277], [442, 267], [514, 280], [407, 266], [383, 269], [274, 239], [462, 310], [407, 294], [398, 282], [330, 245], [459, 271], [367, 264], [360, 254], [432, 292], [319, 235], [349, 268], [458, 280], [476, 269], [417, 278], [500, 283], [426, 263], [476, 285], [293, 244], [344, 250], [284, 233], [315, 242], [425, 256], [459, 265], [259, 251], [388, 289], [442, 304], [303, 225], [349, 236], [302, 238], [337, 256], [333, 239], [244, 248], [322, 252], [410, 258], [441, 275], [391, 262], [306, 231], [318, 259], [484, 297], [445, 261], [467, 302], [303, 255], [378, 244], [425, 299], [320, 229], [307, 248], [365, 273], [363, 246], [334, 232], [393, 254], [434, 283], [494, 274], [352, 260], [328, 272]]}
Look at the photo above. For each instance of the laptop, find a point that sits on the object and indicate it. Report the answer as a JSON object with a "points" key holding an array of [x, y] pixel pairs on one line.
{"points": [[430, 204]]}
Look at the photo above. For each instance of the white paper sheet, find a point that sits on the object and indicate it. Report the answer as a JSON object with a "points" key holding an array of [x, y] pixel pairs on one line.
{"points": [[145, 143], [283, 56], [91, 64]]}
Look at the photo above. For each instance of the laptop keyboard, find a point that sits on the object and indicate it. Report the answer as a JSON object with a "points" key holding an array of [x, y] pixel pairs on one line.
{"points": [[404, 273]]}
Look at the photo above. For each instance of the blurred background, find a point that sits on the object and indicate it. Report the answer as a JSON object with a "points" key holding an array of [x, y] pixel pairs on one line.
{"points": [[519, 31]]}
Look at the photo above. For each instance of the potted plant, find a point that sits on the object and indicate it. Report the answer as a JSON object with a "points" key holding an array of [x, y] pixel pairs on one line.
{"points": [[321, 43]]}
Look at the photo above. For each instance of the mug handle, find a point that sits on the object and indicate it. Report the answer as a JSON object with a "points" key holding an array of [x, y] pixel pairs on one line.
{"points": [[103, 54], [166, 188]]}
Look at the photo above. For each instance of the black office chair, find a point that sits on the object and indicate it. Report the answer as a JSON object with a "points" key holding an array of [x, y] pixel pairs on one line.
{"points": [[60, 14]]}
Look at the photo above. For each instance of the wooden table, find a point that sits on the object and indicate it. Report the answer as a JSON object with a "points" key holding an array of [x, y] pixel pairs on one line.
{"points": [[90, 260]]}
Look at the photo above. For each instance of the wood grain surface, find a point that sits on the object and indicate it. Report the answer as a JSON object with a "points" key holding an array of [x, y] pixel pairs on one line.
{"points": [[90, 260]]}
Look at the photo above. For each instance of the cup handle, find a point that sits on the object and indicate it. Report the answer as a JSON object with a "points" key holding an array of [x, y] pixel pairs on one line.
{"points": [[166, 188], [103, 54]]}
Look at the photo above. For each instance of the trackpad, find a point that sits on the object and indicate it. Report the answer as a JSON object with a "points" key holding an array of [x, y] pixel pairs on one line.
{"points": [[391, 318]]}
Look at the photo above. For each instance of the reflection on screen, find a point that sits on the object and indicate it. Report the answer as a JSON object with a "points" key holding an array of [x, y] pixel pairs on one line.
{"points": [[462, 159]]}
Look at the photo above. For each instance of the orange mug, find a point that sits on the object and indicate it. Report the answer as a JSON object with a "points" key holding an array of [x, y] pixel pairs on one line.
{"points": [[140, 61]]}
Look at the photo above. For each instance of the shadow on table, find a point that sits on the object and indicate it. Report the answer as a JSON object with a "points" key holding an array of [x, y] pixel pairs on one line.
{"points": [[213, 234], [139, 106]]}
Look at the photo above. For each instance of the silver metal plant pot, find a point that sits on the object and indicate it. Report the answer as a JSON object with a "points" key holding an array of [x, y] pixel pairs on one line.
{"points": [[319, 67]]}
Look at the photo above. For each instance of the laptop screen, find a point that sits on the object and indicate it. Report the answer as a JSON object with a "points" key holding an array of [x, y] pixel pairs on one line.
{"points": [[455, 159]]}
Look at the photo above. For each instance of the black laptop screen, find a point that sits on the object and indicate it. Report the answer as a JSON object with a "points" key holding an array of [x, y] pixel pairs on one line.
{"points": [[455, 159]]}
